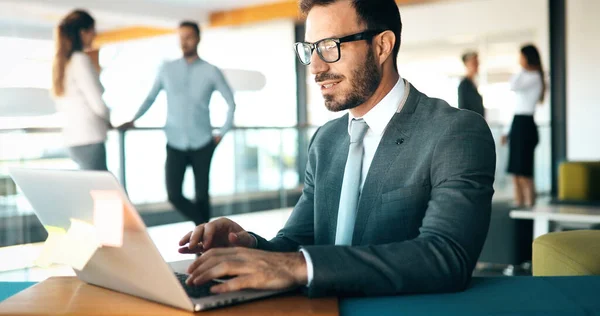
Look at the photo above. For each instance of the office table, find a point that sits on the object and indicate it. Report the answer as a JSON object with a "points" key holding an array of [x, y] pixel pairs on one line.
{"points": [[70, 296], [485, 296], [543, 215]]}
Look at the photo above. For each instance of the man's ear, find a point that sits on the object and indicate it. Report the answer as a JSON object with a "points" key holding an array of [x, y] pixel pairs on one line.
{"points": [[384, 43]]}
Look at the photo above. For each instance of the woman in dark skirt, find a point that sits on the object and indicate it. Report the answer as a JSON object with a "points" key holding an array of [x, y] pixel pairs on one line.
{"points": [[529, 87]]}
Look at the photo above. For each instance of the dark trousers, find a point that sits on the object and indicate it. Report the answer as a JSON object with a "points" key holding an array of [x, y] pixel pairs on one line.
{"points": [[175, 167], [89, 157]]}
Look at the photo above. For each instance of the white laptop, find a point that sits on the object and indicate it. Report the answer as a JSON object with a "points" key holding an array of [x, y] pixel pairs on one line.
{"points": [[136, 268]]}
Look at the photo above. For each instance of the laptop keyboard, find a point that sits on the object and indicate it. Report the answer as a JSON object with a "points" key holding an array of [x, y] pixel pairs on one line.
{"points": [[195, 291]]}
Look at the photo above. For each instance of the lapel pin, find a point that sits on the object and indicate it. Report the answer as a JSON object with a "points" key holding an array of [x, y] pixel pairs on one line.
{"points": [[399, 141]]}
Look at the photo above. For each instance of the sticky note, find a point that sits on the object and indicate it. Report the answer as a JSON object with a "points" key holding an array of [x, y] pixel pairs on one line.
{"points": [[79, 244], [108, 217], [52, 246]]}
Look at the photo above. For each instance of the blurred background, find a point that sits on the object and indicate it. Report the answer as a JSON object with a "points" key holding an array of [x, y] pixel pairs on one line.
{"points": [[257, 171]]}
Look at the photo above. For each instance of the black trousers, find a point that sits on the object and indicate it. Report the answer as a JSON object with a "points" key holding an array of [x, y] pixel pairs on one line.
{"points": [[175, 167]]}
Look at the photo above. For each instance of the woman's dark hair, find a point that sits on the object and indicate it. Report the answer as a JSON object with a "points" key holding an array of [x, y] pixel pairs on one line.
{"points": [[376, 14], [67, 37], [532, 56]]}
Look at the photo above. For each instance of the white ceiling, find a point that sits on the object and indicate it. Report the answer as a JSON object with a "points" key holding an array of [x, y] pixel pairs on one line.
{"points": [[35, 18]]}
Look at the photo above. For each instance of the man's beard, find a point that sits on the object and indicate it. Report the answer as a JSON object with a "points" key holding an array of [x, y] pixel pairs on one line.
{"points": [[366, 80]]}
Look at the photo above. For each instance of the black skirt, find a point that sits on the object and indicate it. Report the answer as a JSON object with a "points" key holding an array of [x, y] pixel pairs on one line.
{"points": [[523, 139]]}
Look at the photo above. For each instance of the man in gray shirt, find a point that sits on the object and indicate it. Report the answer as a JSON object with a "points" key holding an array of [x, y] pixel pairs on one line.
{"points": [[189, 83], [468, 96]]}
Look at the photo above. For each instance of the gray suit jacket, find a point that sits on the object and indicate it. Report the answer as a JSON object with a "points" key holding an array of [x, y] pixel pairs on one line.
{"points": [[423, 213]]}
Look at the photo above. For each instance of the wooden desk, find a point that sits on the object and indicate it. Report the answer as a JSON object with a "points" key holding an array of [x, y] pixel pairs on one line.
{"points": [[69, 296], [543, 215]]}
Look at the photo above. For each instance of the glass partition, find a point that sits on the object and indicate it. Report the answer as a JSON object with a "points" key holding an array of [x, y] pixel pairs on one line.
{"points": [[248, 160]]}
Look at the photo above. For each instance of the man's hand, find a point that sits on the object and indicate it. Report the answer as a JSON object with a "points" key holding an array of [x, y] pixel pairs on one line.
{"points": [[216, 234], [217, 139], [253, 269], [128, 125]]}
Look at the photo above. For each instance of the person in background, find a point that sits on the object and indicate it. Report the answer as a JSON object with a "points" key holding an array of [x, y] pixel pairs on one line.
{"points": [[77, 92], [189, 83], [468, 96], [529, 87]]}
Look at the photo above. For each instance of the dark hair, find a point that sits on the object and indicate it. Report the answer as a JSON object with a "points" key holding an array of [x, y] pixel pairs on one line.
{"points": [[376, 14], [67, 37], [468, 55], [191, 24], [532, 55]]}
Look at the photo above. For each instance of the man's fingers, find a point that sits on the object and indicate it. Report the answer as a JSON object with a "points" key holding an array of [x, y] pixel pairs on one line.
{"points": [[200, 269], [241, 239], [210, 230], [250, 268], [219, 270], [185, 239], [208, 234], [236, 284], [234, 239], [187, 250], [210, 255], [197, 236]]}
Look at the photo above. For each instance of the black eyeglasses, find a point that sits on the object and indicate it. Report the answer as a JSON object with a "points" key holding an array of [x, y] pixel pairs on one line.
{"points": [[328, 49]]}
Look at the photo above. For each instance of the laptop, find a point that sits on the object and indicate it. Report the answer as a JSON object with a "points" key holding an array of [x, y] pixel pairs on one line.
{"points": [[137, 268]]}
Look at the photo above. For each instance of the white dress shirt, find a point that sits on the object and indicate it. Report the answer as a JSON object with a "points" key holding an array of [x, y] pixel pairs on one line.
{"points": [[528, 87], [377, 119], [85, 116]]}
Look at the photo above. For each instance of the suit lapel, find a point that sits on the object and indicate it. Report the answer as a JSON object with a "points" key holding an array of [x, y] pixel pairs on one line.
{"points": [[394, 140]]}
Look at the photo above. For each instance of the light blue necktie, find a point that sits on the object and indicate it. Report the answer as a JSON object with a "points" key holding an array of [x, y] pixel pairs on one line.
{"points": [[351, 184]]}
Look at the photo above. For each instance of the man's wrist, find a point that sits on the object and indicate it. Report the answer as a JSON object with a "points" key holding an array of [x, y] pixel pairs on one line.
{"points": [[299, 268]]}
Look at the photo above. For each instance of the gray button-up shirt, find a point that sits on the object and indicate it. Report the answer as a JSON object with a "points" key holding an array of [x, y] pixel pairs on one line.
{"points": [[189, 87]]}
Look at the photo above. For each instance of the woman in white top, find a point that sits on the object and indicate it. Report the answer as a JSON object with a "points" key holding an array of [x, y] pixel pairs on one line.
{"points": [[78, 93], [529, 87]]}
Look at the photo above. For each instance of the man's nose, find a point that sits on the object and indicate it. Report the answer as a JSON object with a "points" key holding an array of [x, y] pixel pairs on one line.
{"points": [[317, 65]]}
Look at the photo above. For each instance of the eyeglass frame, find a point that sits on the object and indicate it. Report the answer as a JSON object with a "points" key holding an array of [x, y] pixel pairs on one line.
{"points": [[364, 35]]}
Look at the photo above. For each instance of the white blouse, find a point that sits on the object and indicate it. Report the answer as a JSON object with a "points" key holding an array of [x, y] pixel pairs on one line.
{"points": [[527, 86], [85, 116]]}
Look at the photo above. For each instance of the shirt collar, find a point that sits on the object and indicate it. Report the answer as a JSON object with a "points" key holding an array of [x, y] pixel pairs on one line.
{"points": [[381, 114], [196, 61]]}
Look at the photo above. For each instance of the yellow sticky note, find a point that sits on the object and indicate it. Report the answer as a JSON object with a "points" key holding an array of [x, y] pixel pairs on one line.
{"points": [[79, 244], [108, 217], [52, 247]]}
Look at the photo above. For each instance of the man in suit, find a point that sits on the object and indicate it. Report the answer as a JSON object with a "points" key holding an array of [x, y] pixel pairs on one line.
{"points": [[398, 192], [468, 96]]}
